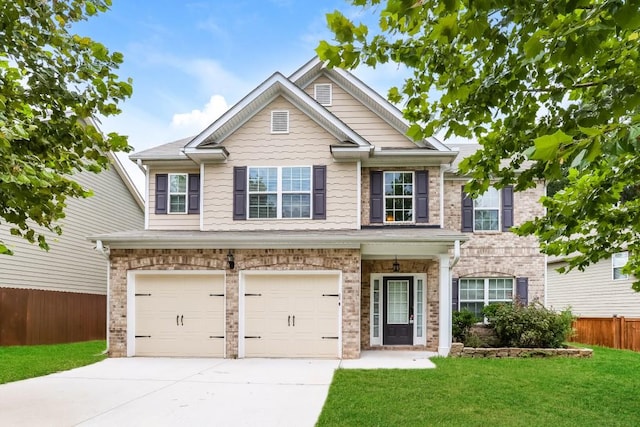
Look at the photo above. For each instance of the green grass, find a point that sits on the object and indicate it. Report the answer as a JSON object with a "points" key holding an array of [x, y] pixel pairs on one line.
{"points": [[22, 362], [602, 391]]}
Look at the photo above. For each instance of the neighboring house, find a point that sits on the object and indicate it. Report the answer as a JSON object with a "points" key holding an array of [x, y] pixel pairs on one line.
{"points": [[601, 290], [305, 223], [60, 295]]}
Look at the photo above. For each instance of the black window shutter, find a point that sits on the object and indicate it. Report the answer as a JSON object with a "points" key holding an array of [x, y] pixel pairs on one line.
{"points": [[507, 208], [467, 212], [194, 193], [376, 209], [454, 294], [422, 196], [162, 188], [522, 290], [319, 192], [239, 193]]}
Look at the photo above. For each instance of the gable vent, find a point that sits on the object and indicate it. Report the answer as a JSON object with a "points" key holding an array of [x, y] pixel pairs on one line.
{"points": [[322, 93], [279, 122]]}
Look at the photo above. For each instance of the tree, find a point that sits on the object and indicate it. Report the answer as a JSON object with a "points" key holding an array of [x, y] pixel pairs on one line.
{"points": [[550, 89], [51, 83]]}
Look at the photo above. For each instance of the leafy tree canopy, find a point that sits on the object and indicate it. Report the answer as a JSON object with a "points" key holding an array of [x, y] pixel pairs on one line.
{"points": [[51, 82], [551, 83]]}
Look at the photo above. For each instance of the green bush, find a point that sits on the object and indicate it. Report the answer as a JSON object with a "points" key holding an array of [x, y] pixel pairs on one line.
{"points": [[461, 323], [532, 326]]}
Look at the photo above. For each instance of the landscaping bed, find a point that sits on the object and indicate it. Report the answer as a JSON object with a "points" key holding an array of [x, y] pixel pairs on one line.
{"points": [[459, 350]]}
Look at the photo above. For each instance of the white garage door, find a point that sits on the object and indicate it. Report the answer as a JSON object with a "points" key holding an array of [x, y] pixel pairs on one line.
{"points": [[294, 315], [179, 315]]}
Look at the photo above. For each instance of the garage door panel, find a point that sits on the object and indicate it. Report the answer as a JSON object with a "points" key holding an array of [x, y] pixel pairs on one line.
{"points": [[179, 315], [270, 315]]}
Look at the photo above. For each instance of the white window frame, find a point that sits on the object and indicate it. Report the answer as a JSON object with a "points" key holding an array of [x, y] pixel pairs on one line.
{"points": [[280, 192], [486, 300], [286, 112], [185, 193], [385, 197], [490, 208], [619, 260], [315, 93]]}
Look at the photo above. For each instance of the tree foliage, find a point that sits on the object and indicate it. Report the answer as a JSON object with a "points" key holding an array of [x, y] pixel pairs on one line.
{"points": [[551, 89], [51, 82]]}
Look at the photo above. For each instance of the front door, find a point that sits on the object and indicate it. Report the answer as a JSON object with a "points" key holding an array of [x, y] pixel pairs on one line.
{"points": [[398, 311]]}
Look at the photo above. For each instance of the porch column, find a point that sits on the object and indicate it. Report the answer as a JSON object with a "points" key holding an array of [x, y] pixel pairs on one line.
{"points": [[444, 344]]}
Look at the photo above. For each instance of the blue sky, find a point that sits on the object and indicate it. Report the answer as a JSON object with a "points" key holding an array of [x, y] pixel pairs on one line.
{"points": [[191, 60]]}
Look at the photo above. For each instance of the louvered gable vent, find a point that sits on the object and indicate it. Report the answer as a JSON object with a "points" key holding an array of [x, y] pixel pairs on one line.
{"points": [[323, 93], [279, 122]]}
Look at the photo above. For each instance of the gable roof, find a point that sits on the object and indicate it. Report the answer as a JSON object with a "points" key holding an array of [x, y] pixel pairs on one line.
{"points": [[306, 74], [260, 97]]}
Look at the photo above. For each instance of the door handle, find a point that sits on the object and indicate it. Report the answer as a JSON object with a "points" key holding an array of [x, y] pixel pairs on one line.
{"points": [[294, 320], [289, 320], [177, 320], [182, 320]]}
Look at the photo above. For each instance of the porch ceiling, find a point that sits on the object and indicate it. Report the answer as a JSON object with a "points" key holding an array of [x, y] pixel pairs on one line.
{"points": [[374, 242]]}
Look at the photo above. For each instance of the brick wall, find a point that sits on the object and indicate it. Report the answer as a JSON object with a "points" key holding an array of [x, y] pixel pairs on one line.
{"points": [[499, 254], [346, 260]]}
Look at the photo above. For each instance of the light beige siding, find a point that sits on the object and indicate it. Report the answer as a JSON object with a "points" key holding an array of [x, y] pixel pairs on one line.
{"points": [[361, 119], [306, 144], [169, 221], [593, 292], [72, 264]]}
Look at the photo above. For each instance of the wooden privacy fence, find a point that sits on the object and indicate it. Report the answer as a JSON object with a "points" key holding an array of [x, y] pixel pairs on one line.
{"points": [[614, 332], [29, 316]]}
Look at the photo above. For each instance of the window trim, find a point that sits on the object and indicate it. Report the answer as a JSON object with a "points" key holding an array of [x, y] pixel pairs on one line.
{"points": [[615, 266], [280, 192], [280, 132], [413, 197], [498, 209], [486, 301], [185, 194]]}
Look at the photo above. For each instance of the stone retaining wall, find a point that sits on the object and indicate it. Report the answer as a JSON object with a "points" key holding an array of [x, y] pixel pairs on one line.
{"points": [[459, 350]]}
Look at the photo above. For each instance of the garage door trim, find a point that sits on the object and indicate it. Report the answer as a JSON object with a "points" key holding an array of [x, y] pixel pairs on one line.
{"points": [[241, 299], [131, 298]]}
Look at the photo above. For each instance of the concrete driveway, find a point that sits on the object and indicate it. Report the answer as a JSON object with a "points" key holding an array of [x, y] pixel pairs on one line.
{"points": [[159, 391]]}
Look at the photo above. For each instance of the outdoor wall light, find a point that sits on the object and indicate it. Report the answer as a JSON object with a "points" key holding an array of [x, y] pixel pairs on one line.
{"points": [[231, 261], [396, 265]]}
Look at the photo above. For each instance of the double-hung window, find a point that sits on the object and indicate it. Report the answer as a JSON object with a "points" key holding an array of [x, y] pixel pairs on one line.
{"points": [[475, 294], [486, 211], [279, 192], [178, 193], [398, 197], [619, 260]]}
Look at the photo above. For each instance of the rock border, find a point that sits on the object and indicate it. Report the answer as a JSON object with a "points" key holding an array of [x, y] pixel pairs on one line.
{"points": [[459, 350]]}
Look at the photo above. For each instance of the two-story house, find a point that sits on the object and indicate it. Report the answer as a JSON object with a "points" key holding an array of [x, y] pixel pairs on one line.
{"points": [[305, 223]]}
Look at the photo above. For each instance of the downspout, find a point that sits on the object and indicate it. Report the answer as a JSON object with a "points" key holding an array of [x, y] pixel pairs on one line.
{"points": [[105, 252], [456, 256], [441, 196]]}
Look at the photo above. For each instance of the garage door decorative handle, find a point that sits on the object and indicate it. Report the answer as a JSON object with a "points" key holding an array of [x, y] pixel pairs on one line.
{"points": [[289, 320], [178, 320], [294, 320], [182, 320]]}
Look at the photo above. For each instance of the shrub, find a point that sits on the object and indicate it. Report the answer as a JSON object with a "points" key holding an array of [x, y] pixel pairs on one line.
{"points": [[530, 326], [461, 323]]}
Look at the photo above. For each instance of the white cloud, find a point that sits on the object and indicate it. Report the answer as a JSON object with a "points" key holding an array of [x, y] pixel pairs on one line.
{"points": [[196, 120]]}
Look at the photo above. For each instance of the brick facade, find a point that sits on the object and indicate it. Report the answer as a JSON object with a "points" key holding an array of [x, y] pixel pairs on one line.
{"points": [[345, 260]]}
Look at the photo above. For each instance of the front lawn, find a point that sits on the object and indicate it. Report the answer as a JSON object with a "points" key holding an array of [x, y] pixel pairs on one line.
{"points": [[22, 362], [600, 391]]}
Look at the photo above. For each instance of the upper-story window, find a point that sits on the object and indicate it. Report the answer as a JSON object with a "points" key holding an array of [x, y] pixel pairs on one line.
{"points": [[486, 211], [398, 196], [490, 211], [177, 193], [619, 260], [279, 192]]}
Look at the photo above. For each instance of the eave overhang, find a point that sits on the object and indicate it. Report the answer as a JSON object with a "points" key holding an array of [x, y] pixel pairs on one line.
{"points": [[207, 154]]}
